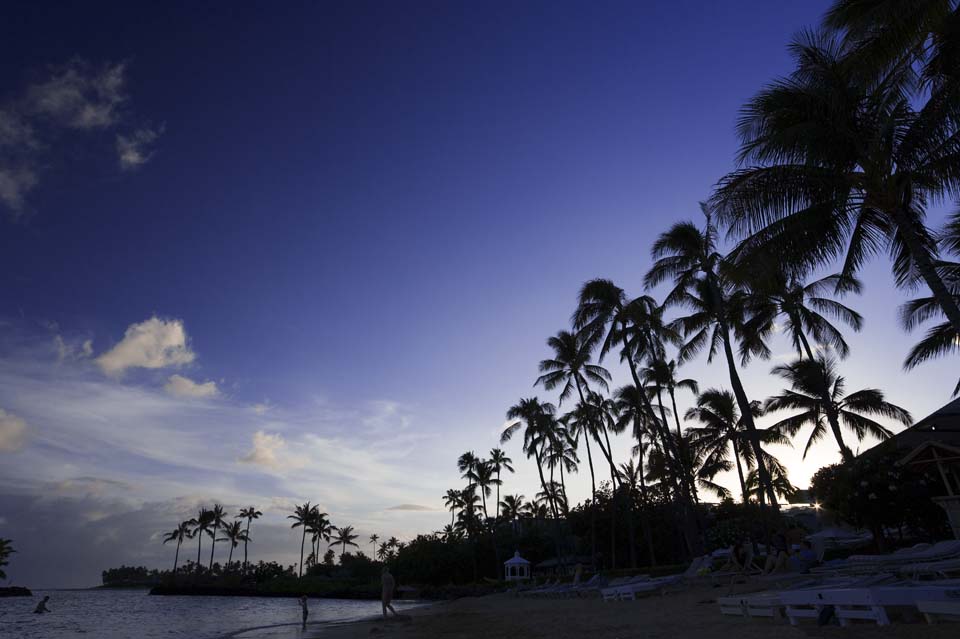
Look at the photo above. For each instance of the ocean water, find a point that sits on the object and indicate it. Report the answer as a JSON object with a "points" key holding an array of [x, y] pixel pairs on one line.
{"points": [[123, 614]]}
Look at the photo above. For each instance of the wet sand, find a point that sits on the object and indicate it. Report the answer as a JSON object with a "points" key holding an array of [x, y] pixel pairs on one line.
{"points": [[692, 613]]}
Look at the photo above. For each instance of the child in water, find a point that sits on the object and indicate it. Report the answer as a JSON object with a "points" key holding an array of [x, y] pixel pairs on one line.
{"points": [[42, 606]]}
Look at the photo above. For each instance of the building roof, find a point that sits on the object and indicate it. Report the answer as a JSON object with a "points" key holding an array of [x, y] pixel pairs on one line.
{"points": [[941, 426], [516, 560]]}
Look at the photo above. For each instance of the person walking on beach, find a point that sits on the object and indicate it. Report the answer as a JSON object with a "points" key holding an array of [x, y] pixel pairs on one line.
{"points": [[303, 605], [386, 596], [42, 606]]}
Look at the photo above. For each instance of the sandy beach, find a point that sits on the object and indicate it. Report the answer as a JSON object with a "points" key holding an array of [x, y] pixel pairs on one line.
{"points": [[693, 613]]}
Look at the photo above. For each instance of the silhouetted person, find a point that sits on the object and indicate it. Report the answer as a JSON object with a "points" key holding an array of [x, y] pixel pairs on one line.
{"points": [[42, 606], [386, 596], [303, 605]]}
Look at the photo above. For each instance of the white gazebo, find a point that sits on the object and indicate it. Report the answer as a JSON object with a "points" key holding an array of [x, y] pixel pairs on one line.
{"points": [[516, 568]]}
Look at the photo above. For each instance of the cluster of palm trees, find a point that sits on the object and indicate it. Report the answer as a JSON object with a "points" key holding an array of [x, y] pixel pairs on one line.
{"points": [[210, 523], [840, 159], [387, 550], [311, 521]]}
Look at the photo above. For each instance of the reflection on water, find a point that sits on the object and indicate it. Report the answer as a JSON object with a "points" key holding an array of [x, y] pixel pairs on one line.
{"points": [[120, 614]]}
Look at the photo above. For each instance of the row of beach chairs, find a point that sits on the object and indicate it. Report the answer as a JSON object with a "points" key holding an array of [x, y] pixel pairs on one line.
{"points": [[913, 582]]}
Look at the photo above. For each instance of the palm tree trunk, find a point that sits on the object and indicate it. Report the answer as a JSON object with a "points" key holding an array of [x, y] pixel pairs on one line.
{"points": [[828, 405], [246, 539], [303, 540], [736, 456], [644, 513], [593, 502], [213, 545], [199, 542], [553, 508], [747, 416], [230, 554], [176, 557], [496, 514]]}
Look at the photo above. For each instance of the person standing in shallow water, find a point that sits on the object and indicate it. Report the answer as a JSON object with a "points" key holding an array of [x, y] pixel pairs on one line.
{"points": [[386, 596], [303, 606], [42, 606]]}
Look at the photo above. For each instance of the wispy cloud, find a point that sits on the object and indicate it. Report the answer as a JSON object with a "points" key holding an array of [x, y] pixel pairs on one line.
{"points": [[153, 343], [135, 150], [13, 431], [181, 386], [77, 97], [411, 507]]}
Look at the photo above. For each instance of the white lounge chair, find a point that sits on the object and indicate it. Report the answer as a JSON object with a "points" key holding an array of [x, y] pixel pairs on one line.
{"points": [[869, 604], [935, 611], [768, 603]]}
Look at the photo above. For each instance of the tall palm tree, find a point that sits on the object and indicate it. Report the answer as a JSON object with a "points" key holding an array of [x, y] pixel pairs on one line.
{"points": [[839, 163], [533, 416], [562, 453], [570, 368], [218, 516], [234, 533], [344, 537], [178, 534], [374, 538], [632, 407], [660, 376], [319, 529], [537, 420], [250, 513], [723, 429], [604, 315], [383, 551], [499, 462], [452, 500], [467, 465], [689, 256], [201, 525], [301, 519], [483, 480], [854, 410]]}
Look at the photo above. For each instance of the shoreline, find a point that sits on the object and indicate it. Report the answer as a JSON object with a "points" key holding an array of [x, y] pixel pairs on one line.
{"points": [[690, 613]]}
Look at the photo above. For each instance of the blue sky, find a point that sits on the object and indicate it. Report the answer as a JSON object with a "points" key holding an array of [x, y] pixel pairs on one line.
{"points": [[312, 251]]}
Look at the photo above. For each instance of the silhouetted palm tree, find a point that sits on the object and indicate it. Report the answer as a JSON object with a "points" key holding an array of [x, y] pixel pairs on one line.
{"points": [[723, 429], [201, 525], [837, 163], [661, 375], [343, 537], [383, 551], [942, 338], [500, 462], [374, 538], [218, 515], [234, 533], [249, 514], [178, 534], [511, 506], [452, 500], [534, 417], [301, 518], [805, 378], [319, 529], [689, 256]]}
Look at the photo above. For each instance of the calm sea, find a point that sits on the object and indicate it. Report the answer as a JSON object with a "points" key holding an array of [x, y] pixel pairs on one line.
{"points": [[122, 614]]}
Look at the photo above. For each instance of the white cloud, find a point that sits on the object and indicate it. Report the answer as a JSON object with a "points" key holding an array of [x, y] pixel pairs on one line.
{"points": [[75, 97], [134, 150], [181, 386], [154, 343], [270, 451], [262, 408], [79, 95], [66, 350], [15, 183], [13, 432]]}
